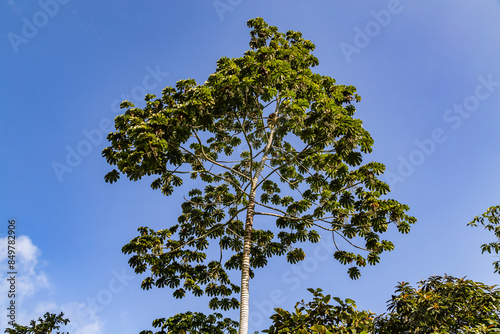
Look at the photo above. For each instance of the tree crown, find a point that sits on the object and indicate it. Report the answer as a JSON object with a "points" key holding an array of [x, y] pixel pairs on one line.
{"points": [[268, 137]]}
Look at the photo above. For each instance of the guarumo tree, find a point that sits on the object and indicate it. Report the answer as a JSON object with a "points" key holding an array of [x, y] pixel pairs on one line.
{"points": [[267, 137]]}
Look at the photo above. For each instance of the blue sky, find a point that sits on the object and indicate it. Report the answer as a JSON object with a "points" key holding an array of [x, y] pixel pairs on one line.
{"points": [[429, 76]]}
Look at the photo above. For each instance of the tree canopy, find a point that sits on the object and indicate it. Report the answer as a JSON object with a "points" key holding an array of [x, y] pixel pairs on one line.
{"points": [[443, 304], [440, 304], [263, 136], [320, 317], [194, 323], [45, 325]]}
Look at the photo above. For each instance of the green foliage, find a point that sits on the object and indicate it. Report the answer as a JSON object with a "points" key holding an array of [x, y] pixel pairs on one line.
{"points": [[264, 136], [44, 325], [319, 317], [442, 305], [167, 271], [194, 323], [439, 305], [490, 220]]}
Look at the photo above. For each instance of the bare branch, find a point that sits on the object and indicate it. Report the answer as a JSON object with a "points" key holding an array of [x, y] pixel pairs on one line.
{"points": [[352, 244], [246, 139], [215, 162]]}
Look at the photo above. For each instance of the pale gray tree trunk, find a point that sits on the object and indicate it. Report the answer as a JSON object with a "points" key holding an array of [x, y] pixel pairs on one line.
{"points": [[245, 269], [245, 266]]}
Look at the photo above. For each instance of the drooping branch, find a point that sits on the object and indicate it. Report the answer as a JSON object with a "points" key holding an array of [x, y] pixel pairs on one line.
{"points": [[215, 162], [351, 243], [211, 230], [208, 171], [306, 219]]}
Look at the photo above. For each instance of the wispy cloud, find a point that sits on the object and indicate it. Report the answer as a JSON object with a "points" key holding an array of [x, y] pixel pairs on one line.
{"points": [[31, 279]]}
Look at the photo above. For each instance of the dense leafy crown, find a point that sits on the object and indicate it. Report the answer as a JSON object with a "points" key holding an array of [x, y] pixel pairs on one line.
{"points": [[440, 304], [44, 325], [268, 137], [320, 317], [194, 323], [443, 304]]}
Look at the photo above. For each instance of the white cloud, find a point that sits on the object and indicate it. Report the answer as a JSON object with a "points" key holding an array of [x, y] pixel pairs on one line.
{"points": [[30, 279]]}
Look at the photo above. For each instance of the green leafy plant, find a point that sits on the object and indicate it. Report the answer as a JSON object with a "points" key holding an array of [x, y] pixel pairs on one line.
{"points": [[194, 323], [490, 220], [319, 317], [44, 325], [264, 136], [442, 304]]}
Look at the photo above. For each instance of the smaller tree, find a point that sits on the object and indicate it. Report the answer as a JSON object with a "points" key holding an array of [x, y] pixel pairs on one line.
{"points": [[442, 305], [45, 325], [491, 221], [320, 317], [194, 323]]}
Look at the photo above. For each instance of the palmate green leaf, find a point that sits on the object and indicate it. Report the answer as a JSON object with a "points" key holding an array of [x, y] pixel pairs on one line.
{"points": [[112, 176], [354, 273], [295, 255]]}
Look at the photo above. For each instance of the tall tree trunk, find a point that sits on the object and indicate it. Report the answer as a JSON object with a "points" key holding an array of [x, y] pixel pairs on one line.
{"points": [[245, 265], [245, 269]]}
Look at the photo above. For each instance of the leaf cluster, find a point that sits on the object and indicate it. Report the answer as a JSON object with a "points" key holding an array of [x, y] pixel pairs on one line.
{"points": [[490, 220], [181, 269]]}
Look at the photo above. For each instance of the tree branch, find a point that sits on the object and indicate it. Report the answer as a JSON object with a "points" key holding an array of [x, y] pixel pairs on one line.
{"points": [[206, 234], [215, 162]]}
